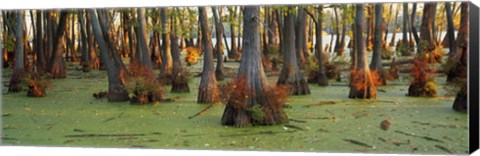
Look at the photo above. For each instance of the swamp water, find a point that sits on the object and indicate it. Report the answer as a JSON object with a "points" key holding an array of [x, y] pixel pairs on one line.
{"points": [[324, 121], [70, 116]]}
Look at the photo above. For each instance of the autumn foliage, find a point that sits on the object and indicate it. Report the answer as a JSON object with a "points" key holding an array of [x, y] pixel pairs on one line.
{"points": [[236, 93], [268, 108], [423, 83], [141, 85], [193, 54], [35, 85], [363, 84]]}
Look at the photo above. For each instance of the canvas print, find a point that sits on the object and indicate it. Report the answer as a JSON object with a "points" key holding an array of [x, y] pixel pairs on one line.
{"points": [[350, 78]]}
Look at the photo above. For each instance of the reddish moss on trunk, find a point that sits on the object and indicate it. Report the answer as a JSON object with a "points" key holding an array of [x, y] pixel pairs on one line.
{"points": [[423, 83], [142, 86], [245, 108], [36, 87], [362, 84]]}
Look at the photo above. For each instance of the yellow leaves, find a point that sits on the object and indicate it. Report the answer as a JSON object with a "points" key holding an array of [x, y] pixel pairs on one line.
{"points": [[192, 55], [430, 86]]}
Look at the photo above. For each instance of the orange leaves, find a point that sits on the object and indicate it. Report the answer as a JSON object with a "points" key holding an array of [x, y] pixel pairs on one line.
{"points": [[421, 71], [276, 96], [192, 55], [361, 80], [423, 83], [237, 93], [141, 80], [140, 70]]}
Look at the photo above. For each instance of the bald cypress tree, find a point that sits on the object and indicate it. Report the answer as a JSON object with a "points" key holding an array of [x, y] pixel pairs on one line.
{"points": [[258, 103], [116, 73], [208, 89], [362, 82], [291, 74], [56, 66], [19, 68], [376, 64], [459, 71]]}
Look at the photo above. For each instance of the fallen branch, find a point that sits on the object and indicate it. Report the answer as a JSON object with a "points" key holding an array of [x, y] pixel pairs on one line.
{"points": [[444, 149], [358, 143], [201, 112], [323, 103], [103, 135], [360, 114], [78, 130], [435, 125], [424, 137], [321, 118], [395, 142], [299, 121], [295, 127]]}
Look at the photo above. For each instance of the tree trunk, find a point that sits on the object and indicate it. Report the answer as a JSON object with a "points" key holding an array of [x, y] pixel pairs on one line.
{"points": [[93, 57], [273, 26], [337, 30], [83, 35], [239, 31], [376, 64], [251, 71], [233, 50], [280, 30], [301, 36], [450, 30], [405, 24], [142, 55], [208, 89], [426, 34], [116, 74], [39, 46], [167, 64], [412, 23], [370, 25], [49, 30], [392, 41], [459, 60], [19, 68], [179, 76], [291, 74], [426, 54], [388, 23], [219, 49], [321, 77], [57, 67], [461, 57], [362, 83], [265, 39], [341, 46], [103, 16]]}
